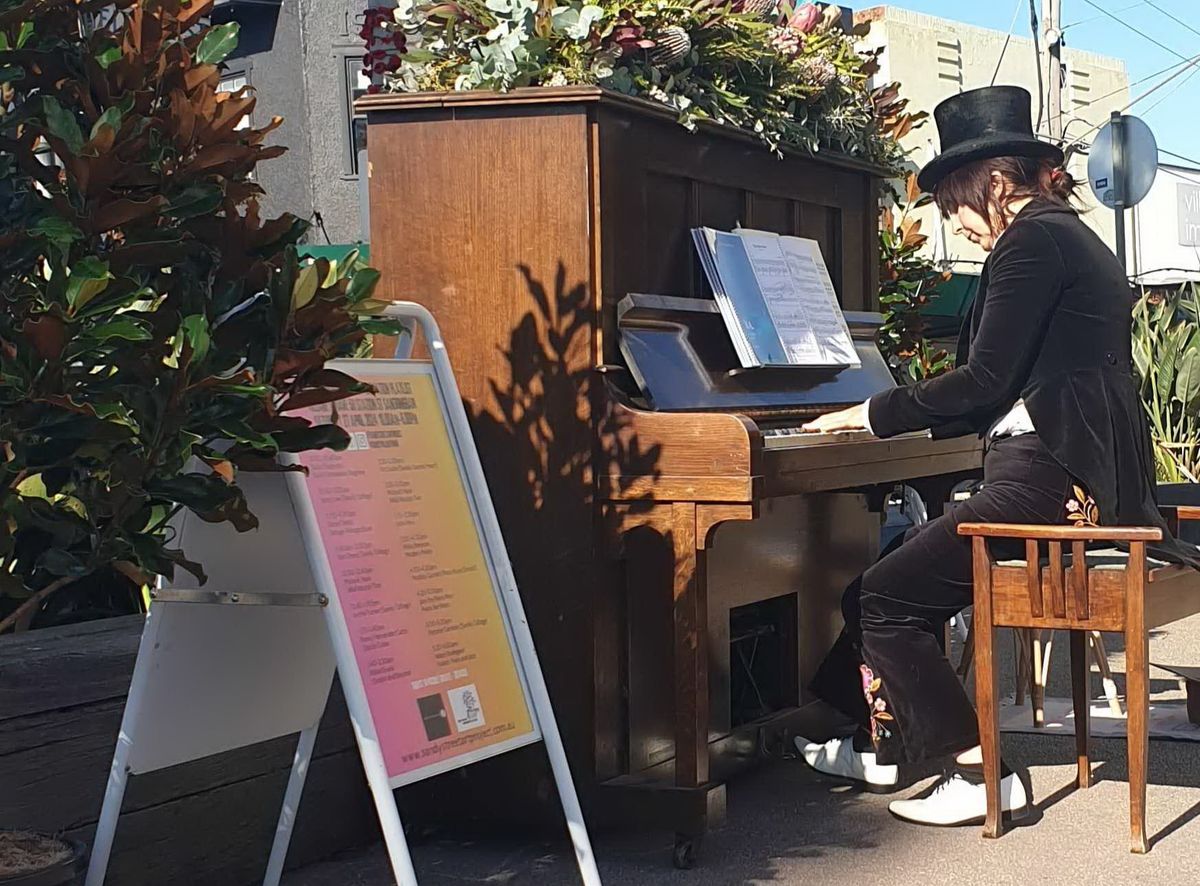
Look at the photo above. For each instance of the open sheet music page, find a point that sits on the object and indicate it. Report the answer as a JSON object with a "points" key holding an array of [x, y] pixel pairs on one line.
{"points": [[749, 300], [784, 299], [825, 316]]}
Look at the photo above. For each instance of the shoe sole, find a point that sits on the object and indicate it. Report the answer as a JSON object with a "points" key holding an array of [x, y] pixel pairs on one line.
{"points": [[1007, 817], [868, 786]]}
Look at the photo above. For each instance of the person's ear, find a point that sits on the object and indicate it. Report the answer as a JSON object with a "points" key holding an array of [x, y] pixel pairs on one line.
{"points": [[998, 184]]}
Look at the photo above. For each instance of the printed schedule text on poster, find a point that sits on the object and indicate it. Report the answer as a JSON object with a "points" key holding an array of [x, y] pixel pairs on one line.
{"points": [[425, 623]]}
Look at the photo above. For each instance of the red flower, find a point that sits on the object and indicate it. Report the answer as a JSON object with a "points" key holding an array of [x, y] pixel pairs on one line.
{"points": [[805, 18]]}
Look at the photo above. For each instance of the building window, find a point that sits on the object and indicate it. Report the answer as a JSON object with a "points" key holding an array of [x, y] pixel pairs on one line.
{"points": [[356, 83], [232, 83]]}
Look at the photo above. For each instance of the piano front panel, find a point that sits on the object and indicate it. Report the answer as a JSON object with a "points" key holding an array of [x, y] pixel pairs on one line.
{"points": [[808, 547]]}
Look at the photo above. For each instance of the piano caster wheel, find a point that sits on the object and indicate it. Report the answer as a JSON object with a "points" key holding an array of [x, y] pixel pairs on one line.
{"points": [[683, 856]]}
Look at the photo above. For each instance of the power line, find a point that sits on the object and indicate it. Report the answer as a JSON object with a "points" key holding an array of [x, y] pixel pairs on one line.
{"points": [[1178, 86], [1195, 163], [1149, 92], [1097, 17], [1171, 17], [1012, 24], [1126, 24], [1193, 61]]}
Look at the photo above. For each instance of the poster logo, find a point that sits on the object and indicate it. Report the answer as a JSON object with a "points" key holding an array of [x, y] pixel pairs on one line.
{"points": [[433, 715], [467, 712]]}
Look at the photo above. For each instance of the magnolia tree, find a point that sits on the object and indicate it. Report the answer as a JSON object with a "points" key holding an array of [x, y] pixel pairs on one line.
{"points": [[157, 334]]}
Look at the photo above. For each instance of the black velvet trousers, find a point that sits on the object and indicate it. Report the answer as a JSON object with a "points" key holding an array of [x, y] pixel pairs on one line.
{"points": [[888, 670]]}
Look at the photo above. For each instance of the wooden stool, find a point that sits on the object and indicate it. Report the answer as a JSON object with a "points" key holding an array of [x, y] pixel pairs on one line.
{"points": [[1105, 591]]}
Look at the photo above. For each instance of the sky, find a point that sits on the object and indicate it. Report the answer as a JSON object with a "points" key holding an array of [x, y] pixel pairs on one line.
{"points": [[1172, 111]]}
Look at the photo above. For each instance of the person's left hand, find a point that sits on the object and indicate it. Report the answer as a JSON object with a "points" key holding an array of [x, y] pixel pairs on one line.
{"points": [[852, 419]]}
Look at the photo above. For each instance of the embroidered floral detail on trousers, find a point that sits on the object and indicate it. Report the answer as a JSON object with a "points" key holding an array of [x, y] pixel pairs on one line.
{"points": [[1082, 510], [876, 705]]}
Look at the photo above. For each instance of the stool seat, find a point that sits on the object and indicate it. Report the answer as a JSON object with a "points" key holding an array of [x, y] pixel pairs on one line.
{"points": [[1080, 585]]}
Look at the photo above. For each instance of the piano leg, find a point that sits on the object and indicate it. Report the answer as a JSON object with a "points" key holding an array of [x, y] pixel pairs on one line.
{"points": [[692, 801]]}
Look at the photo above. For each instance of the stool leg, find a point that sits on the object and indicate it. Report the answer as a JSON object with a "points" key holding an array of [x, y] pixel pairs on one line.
{"points": [[1137, 699], [987, 689], [1080, 678]]}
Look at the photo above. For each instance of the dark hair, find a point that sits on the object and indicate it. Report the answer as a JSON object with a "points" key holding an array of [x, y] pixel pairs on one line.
{"points": [[971, 185]]}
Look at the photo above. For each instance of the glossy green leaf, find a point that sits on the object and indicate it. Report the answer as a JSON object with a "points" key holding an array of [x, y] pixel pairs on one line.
{"points": [[125, 329], [61, 123], [108, 57], [88, 278], [306, 286], [362, 285], [196, 334], [110, 118], [194, 201], [216, 45], [1187, 381]]}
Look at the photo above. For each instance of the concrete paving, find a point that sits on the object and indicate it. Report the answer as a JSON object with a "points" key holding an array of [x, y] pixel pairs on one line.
{"points": [[788, 826]]}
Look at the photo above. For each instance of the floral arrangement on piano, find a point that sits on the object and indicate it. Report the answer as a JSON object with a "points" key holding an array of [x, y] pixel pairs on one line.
{"points": [[790, 74]]}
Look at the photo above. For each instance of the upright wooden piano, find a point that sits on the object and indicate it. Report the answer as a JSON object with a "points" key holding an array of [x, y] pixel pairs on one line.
{"points": [[681, 549]]}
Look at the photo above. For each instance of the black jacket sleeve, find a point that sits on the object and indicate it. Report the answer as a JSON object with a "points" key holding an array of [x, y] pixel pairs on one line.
{"points": [[1025, 282]]}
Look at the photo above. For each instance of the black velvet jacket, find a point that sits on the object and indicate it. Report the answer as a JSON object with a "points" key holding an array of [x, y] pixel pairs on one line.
{"points": [[1052, 325]]}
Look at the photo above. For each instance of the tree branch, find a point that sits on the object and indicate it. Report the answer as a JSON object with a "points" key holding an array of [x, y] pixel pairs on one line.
{"points": [[14, 617]]}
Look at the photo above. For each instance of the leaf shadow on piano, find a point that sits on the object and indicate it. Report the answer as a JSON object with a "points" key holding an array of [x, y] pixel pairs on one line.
{"points": [[548, 416], [537, 418]]}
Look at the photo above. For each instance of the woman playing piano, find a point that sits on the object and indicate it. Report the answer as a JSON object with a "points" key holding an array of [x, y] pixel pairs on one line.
{"points": [[1044, 374]]}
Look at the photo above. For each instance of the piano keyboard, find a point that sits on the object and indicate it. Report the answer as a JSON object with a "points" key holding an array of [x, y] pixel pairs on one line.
{"points": [[792, 438]]}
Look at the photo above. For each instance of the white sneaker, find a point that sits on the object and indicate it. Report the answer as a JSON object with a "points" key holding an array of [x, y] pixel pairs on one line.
{"points": [[837, 757], [956, 801]]}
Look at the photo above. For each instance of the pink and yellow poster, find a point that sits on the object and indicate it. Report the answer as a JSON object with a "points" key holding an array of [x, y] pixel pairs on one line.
{"points": [[432, 646]]}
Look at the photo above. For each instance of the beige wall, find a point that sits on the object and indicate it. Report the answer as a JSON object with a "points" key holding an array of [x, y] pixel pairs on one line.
{"points": [[934, 58]]}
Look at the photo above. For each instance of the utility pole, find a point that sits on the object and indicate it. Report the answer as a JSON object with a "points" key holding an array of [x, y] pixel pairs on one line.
{"points": [[1052, 35]]}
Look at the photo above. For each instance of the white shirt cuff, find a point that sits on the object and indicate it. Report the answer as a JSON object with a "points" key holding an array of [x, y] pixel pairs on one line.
{"points": [[867, 416]]}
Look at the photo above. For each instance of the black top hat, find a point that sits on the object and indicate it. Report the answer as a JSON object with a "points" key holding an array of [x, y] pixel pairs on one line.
{"points": [[990, 122]]}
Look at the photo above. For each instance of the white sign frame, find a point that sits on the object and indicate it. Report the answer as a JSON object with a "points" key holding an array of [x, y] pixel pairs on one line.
{"points": [[170, 603]]}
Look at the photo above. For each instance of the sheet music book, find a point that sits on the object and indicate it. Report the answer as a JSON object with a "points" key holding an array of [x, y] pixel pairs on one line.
{"points": [[776, 297]]}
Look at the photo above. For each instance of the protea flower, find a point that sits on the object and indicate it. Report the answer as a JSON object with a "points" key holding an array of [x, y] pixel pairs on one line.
{"points": [[672, 44], [818, 71], [786, 42], [805, 18], [759, 8]]}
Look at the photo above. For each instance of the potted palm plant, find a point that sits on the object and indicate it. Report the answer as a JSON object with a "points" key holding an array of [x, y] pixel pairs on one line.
{"points": [[1166, 353], [157, 332]]}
